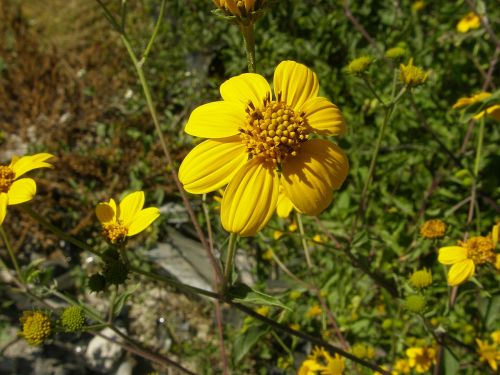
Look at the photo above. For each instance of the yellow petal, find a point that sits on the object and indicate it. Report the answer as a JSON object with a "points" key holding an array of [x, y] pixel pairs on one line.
{"points": [[216, 120], [106, 212], [27, 163], [142, 220], [324, 117], [130, 206], [244, 88], [3, 206], [250, 198], [461, 272], [296, 83], [452, 254], [211, 164], [494, 234], [310, 177], [21, 191], [284, 205]]}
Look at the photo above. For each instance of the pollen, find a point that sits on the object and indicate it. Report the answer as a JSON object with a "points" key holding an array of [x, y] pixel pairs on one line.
{"points": [[115, 232], [274, 131], [479, 249], [7, 177]]}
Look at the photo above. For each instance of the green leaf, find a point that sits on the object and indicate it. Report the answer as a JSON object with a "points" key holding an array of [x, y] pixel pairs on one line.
{"points": [[242, 293], [451, 364], [122, 298], [244, 341]]}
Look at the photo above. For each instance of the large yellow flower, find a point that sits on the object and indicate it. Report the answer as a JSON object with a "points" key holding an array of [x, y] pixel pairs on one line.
{"points": [[14, 190], [126, 220], [421, 358], [259, 142]]}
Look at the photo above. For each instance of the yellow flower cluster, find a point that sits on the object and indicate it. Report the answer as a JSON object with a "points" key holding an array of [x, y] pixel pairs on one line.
{"points": [[488, 351], [359, 65], [492, 111], [433, 228], [321, 362], [412, 75], [36, 327], [421, 358], [470, 21], [421, 278], [240, 8]]}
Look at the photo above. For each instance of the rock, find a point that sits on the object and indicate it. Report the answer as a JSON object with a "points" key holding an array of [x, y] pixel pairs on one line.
{"points": [[103, 355]]}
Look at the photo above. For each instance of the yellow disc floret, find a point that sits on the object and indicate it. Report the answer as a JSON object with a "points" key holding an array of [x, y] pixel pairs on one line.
{"points": [[7, 177], [36, 327], [479, 249], [274, 131], [421, 278], [73, 319], [115, 232], [434, 228]]}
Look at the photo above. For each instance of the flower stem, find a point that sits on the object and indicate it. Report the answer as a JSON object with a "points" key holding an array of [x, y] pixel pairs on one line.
{"points": [[248, 36], [303, 240], [228, 265], [10, 250], [477, 162], [146, 52]]}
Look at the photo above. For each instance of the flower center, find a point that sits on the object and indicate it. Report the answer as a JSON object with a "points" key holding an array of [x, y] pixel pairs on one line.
{"points": [[274, 131], [115, 232], [480, 249], [7, 177]]}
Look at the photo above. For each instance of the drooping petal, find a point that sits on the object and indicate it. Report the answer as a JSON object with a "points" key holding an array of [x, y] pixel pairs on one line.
{"points": [[452, 254], [461, 272], [250, 198], [244, 88], [142, 220], [324, 117], [211, 164], [296, 83], [310, 177], [106, 212], [216, 120], [130, 206], [3, 206], [284, 205], [27, 163], [21, 191]]}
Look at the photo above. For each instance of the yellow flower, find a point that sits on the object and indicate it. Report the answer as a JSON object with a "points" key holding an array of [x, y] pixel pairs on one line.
{"points": [[395, 53], [402, 366], [421, 358], [492, 111], [294, 326], [359, 65], [495, 336], [466, 101], [37, 327], [268, 254], [314, 311], [325, 363], [263, 310], [411, 75], [293, 226], [434, 228], [317, 238], [14, 190], [464, 257], [421, 278], [488, 353], [277, 235], [309, 367], [259, 143], [126, 220], [417, 5], [240, 8], [470, 21]]}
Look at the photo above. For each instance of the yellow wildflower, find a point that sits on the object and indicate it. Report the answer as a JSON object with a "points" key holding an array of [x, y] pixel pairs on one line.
{"points": [[360, 65], [309, 367], [402, 366], [411, 75], [314, 311], [470, 21], [421, 278], [293, 226], [395, 53], [240, 8], [259, 143], [495, 336], [126, 220], [466, 256], [466, 101], [268, 254], [37, 327], [263, 310], [294, 326], [421, 358], [492, 111], [415, 303], [433, 228], [317, 238], [417, 5], [488, 353], [326, 364], [15, 190]]}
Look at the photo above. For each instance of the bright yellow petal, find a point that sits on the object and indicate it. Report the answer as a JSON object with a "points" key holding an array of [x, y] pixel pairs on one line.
{"points": [[3, 206], [452, 254], [27, 163], [106, 212], [310, 177], [250, 198], [494, 111], [296, 83], [460, 272], [216, 120], [211, 164], [284, 205], [244, 88], [142, 220], [130, 206], [462, 102], [21, 191], [494, 234], [324, 117]]}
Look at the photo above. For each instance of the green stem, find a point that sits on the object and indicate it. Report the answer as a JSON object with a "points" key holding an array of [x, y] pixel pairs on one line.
{"points": [[146, 52], [303, 240], [477, 162], [248, 36], [372, 89], [11, 252], [228, 265]]}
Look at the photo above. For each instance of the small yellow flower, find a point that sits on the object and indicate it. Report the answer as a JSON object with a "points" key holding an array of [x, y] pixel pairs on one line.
{"points": [[277, 235], [263, 310], [488, 353], [417, 5], [359, 65], [14, 190], [421, 358], [295, 295], [434, 228], [326, 364], [470, 21], [415, 303], [126, 220], [314, 311], [293, 226], [466, 101], [421, 278], [465, 257], [294, 326], [37, 327], [240, 8], [309, 367], [72, 319], [268, 254], [492, 111], [395, 53], [402, 366], [412, 75], [258, 143], [317, 238], [495, 336]]}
